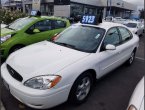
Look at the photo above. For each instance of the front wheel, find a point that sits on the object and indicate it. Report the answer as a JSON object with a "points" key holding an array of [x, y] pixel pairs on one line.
{"points": [[81, 89]]}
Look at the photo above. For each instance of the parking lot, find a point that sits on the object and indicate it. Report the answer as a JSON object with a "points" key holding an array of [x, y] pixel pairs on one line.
{"points": [[112, 92]]}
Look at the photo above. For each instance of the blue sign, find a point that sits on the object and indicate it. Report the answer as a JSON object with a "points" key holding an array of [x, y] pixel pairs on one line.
{"points": [[89, 19], [33, 13]]}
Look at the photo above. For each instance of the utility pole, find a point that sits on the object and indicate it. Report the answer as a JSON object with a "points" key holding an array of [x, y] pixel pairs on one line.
{"points": [[107, 9], [110, 7], [9, 4], [22, 5]]}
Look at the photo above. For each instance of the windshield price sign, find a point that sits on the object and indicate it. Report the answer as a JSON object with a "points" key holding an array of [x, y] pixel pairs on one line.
{"points": [[88, 19]]}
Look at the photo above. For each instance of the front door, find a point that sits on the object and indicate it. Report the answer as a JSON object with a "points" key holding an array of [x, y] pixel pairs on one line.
{"points": [[109, 58], [40, 31]]}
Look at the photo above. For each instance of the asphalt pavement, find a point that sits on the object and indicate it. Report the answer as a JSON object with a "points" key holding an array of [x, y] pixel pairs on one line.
{"points": [[112, 92]]}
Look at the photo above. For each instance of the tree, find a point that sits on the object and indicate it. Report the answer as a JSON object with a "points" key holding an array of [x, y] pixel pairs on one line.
{"points": [[142, 13]]}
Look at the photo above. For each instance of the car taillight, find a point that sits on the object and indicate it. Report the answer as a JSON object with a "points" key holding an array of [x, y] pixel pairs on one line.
{"points": [[54, 37], [132, 107]]}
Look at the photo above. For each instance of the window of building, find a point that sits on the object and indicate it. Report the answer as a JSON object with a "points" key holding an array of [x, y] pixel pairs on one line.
{"points": [[76, 9], [47, 9]]}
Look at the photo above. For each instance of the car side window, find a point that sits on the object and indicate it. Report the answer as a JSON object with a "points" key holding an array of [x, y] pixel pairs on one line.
{"points": [[125, 34], [59, 24], [44, 25], [112, 37]]}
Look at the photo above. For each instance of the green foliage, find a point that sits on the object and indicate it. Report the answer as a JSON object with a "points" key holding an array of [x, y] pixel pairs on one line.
{"points": [[142, 13], [8, 16]]}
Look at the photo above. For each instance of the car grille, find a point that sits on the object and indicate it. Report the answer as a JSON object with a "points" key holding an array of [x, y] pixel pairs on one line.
{"points": [[14, 74]]}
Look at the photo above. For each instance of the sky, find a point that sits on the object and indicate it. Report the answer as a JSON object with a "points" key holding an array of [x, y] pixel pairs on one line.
{"points": [[140, 3]]}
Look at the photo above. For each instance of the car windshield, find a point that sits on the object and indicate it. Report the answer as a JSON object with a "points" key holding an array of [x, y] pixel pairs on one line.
{"points": [[82, 38], [131, 25], [20, 23]]}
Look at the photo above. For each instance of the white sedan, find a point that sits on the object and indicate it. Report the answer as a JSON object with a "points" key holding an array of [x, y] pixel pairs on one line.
{"points": [[47, 74], [136, 27], [3, 25], [119, 20], [137, 99]]}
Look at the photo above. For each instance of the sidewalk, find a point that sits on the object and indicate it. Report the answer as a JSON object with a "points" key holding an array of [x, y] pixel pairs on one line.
{"points": [[2, 107]]}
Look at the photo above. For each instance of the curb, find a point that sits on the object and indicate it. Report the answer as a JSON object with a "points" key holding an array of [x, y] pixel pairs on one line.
{"points": [[2, 107]]}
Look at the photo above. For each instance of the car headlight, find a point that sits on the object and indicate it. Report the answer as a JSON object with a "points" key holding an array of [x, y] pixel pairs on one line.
{"points": [[5, 38], [43, 82], [132, 107]]}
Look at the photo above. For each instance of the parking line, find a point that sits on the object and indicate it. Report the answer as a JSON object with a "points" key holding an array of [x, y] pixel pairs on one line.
{"points": [[140, 58]]}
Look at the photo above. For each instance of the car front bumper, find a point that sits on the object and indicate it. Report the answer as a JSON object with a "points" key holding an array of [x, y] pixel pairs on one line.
{"points": [[39, 99]]}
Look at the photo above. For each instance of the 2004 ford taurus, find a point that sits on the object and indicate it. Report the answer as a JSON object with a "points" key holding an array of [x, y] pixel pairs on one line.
{"points": [[47, 74]]}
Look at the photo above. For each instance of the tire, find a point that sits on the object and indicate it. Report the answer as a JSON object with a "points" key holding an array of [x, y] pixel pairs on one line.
{"points": [[131, 59], [81, 89], [15, 48]]}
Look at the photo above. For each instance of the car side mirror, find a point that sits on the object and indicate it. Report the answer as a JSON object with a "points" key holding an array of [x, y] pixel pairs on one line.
{"points": [[36, 31], [110, 47]]}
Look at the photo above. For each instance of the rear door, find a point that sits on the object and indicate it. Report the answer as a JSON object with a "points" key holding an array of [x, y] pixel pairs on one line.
{"points": [[126, 43]]}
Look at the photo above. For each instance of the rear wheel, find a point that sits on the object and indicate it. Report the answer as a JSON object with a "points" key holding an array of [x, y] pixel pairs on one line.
{"points": [[81, 88], [131, 59]]}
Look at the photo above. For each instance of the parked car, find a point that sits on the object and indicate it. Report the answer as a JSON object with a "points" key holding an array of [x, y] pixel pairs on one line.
{"points": [[136, 27], [109, 19], [119, 20], [29, 30], [137, 99], [47, 74], [3, 26]]}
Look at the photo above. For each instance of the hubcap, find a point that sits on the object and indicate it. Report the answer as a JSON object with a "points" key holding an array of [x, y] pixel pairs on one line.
{"points": [[83, 88], [131, 58]]}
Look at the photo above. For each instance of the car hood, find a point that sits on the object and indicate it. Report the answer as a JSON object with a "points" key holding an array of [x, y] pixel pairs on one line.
{"points": [[43, 58], [138, 95], [6, 31]]}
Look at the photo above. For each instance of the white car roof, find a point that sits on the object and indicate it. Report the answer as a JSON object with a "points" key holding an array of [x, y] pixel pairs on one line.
{"points": [[105, 25]]}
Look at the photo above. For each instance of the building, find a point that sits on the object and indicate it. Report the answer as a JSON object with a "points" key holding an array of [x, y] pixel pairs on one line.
{"points": [[69, 8], [13, 4]]}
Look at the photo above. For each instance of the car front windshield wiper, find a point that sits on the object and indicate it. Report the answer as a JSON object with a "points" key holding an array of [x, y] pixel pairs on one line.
{"points": [[65, 44], [68, 45]]}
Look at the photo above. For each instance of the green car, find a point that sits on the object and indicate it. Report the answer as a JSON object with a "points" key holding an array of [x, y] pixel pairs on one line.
{"points": [[29, 30]]}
